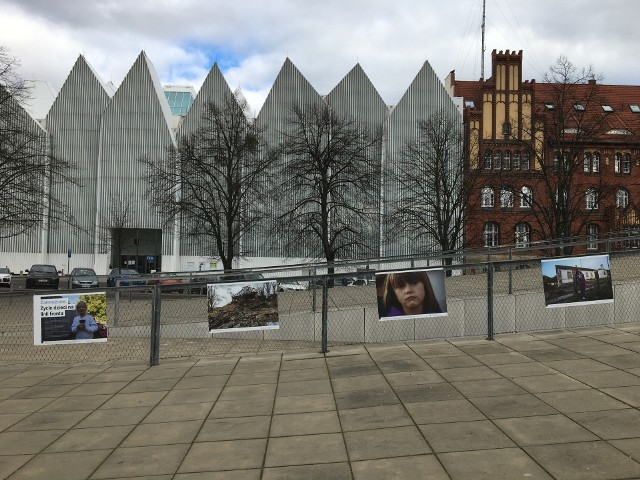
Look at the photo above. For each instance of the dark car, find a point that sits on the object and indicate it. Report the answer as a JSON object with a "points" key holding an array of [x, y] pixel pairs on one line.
{"points": [[43, 276], [84, 278], [120, 273]]}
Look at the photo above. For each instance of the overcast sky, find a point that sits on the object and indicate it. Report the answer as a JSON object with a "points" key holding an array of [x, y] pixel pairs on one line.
{"points": [[250, 39]]}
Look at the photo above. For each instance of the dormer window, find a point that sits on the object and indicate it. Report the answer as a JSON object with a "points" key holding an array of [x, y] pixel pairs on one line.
{"points": [[634, 108], [469, 104], [607, 108], [549, 106], [578, 107]]}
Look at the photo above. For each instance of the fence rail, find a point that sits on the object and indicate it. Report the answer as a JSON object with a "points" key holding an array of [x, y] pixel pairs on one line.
{"points": [[170, 320]]}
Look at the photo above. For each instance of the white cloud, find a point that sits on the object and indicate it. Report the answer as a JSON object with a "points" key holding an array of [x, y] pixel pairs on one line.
{"points": [[391, 40]]}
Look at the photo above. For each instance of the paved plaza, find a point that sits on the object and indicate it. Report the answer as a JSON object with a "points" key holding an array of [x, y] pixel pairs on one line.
{"points": [[549, 405]]}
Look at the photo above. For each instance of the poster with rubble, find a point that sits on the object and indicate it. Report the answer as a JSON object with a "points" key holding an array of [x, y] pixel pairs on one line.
{"points": [[70, 318], [577, 281], [242, 306]]}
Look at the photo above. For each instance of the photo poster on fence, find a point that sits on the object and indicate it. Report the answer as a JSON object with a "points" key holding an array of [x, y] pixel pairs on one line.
{"points": [[411, 294], [243, 306], [577, 281], [70, 318]]}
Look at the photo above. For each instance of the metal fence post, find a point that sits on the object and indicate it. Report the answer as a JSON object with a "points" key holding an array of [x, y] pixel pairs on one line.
{"points": [[490, 301], [155, 327], [116, 313], [510, 273], [325, 313], [314, 284]]}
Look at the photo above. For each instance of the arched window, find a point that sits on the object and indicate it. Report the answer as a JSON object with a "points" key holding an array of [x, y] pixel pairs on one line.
{"points": [[587, 162], [491, 234], [487, 160], [592, 236], [622, 198], [617, 162], [526, 197], [487, 197], [626, 163], [591, 199], [522, 235], [497, 160], [506, 160], [595, 163], [525, 161], [506, 198], [515, 161]]}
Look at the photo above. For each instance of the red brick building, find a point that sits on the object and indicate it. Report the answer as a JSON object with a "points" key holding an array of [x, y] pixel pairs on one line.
{"points": [[559, 159]]}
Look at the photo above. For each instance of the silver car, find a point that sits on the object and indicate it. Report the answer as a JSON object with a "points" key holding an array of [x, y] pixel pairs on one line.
{"points": [[84, 278], [5, 277]]}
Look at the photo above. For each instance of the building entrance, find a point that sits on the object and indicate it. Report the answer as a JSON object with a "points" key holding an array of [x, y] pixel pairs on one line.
{"points": [[137, 248]]}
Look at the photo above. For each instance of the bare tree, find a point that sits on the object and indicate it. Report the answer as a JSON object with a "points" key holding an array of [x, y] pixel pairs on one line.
{"points": [[115, 231], [437, 186], [330, 174], [211, 181], [565, 133], [28, 169]]}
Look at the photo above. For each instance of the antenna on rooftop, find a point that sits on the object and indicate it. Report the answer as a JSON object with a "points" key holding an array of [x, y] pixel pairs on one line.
{"points": [[483, 47]]}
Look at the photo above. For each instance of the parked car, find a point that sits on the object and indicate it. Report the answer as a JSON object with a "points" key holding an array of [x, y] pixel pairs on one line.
{"points": [[43, 276], [84, 278], [167, 279], [291, 285], [5, 277], [119, 273]]}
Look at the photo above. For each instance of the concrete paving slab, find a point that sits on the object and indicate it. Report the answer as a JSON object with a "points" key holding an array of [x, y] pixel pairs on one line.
{"points": [[370, 418], [468, 373], [549, 383], [50, 420], [461, 436], [162, 433], [629, 395], [306, 387], [371, 397], [544, 429], [500, 464], [61, 466], [584, 461], [414, 377], [253, 378], [406, 468], [81, 439], [179, 413], [444, 411], [191, 395], [527, 369], [239, 408], [363, 382], [608, 378], [127, 400], [234, 428], [309, 449], [298, 375], [225, 475], [304, 424], [488, 388], [385, 443], [147, 460], [580, 401], [334, 471], [225, 455], [610, 424], [11, 463], [512, 406]]}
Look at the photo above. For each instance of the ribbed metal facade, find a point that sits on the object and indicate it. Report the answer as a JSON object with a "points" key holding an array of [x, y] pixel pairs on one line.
{"points": [[425, 96], [106, 134]]}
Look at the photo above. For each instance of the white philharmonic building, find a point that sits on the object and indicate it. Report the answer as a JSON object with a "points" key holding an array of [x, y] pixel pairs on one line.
{"points": [[104, 131]]}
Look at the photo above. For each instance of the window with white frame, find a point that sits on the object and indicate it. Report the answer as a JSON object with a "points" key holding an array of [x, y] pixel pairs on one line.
{"points": [[487, 160], [491, 234], [526, 198], [622, 198], [506, 160], [487, 197], [591, 199], [506, 198], [592, 236], [617, 162], [497, 160], [515, 161], [626, 163], [525, 161], [595, 163], [587, 163], [522, 235]]}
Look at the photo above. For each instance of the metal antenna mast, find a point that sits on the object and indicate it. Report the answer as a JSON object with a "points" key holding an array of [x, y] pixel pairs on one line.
{"points": [[483, 47]]}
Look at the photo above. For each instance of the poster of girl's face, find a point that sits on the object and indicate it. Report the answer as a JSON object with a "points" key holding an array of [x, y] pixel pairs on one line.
{"points": [[577, 281], [242, 306], [411, 294], [70, 318]]}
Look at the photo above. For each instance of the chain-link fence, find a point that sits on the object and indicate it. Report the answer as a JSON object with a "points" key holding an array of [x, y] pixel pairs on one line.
{"points": [[169, 317]]}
